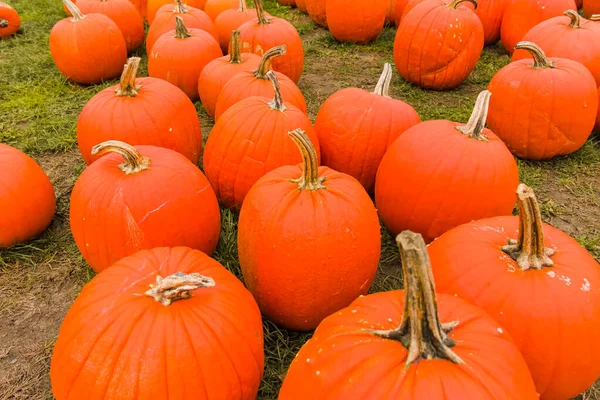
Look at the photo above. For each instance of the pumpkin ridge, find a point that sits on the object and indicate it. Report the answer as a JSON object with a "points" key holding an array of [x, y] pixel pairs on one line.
{"points": [[179, 314]]}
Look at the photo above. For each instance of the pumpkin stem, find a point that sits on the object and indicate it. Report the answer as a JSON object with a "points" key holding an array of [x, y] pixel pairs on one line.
{"points": [[455, 3], [595, 17], [420, 330], [74, 10], [127, 86], [134, 161], [476, 123], [529, 250], [179, 8], [265, 62], [260, 13], [383, 85], [235, 48], [181, 32], [310, 179], [539, 57], [277, 102], [177, 286], [575, 18], [243, 6], [3, 23]]}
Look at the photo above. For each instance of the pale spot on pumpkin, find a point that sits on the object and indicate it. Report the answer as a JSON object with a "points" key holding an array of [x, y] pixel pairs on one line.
{"points": [[308, 360], [585, 287], [500, 331], [170, 129], [565, 279], [551, 274], [318, 373], [389, 319], [353, 311]]}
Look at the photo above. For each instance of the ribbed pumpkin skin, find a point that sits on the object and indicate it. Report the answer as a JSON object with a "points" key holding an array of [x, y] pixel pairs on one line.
{"points": [[537, 119], [591, 7], [230, 20], [553, 314], [12, 17], [88, 51], [169, 204], [522, 15], [316, 10], [27, 201], [155, 5], [213, 8], [141, 6], [118, 344], [343, 360], [427, 61], [355, 128], [491, 13], [359, 21], [306, 254]]}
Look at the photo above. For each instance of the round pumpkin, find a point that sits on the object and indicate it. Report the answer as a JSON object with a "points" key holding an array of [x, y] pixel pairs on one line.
{"points": [[249, 140], [309, 241], [231, 20], [27, 201], [355, 128], [165, 323], [10, 22], [213, 8], [155, 5], [538, 283], [443, 56], [267, 32], [441, 174], [316, 10], [522, 15], [591, 7], [246, 84], [358, 21], [490, 13], [219, 71], [87, 49], [410, 344], [536, 118], [121, 113], [156, 197], [413, 3]]}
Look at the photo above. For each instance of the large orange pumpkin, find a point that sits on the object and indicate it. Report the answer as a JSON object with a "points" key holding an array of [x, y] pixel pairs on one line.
{"points": [[443, 56], [246, 84], [230, 20], [155, 5], [213, 8], [522, 15], [121, 113], [440, 174], [358, 21], [166, 323], [355, 128], [309, 241], [536, 118], [249, 140], [267, 32], [10, 22], [411, 345], [490, 13], [316, 10], [87, 49], [413, 3], [27, 201], [538, 283], [156, 197], [591, 7], [219, 71]]}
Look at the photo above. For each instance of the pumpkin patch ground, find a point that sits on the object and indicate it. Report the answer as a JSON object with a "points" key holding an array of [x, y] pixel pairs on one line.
{"points": [[40, 279]]}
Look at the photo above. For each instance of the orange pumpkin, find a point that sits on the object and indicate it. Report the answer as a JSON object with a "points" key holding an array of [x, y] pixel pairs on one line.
{"points": [[27, 201], [165, 22], [166, 323], [267, 32], [301, 4], [536, 120], [308, 241], [441, 57], [490, 13], [87, 49], [390, 13], [10, 22], [156, 197], [249, 140], [538, 283], [316, 11], [579, 4], [230, 20], [522, 15], [399, 11], [353, 119], [141, 6], [591, 7], [213, 8], [155, 5], [246, 84], [441, 174], [411, 345], [121, 113], [413, 3], [358, 21], [219, 71]]}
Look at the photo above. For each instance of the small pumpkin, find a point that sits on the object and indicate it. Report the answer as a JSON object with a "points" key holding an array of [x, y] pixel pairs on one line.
{"points": [[309, 241], [410, 344], [230, 20], [536, 118], [219, 71], [441, 57], [10, 22], [358, 21], [121, 113], [468, 171], [591, 7], [538, 283], [155, 5], [213, 8], [246, 84], [87, 49], [249, 140], [141, 197], [267, 32], [27, 201], [490, 13], [165, 323], [316, 10], [353, 119]]}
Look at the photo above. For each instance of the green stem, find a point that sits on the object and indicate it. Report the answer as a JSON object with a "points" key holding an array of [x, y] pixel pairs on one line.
{"points": [[383, 85], [265, 62], [277, 102], [127, 86], [181, 32], [134, 161], [540, 60], [74, 10], [476, 123], [455, 3], [310, 179], [260, 13], [575, 19], [235, 48], [177, 287]]}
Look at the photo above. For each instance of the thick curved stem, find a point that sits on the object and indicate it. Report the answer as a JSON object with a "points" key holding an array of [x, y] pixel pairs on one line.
{"points": [[181, 31], [595, 17], [455, 3], [74, 10], [265, 62], [235, 48], [177, 286], [243, 6], [277, 102], [310, 179], [127, 86], [179, 8], [260, 13], [3, 23], [134, 161], [539, 57], [575, 18], [383, 85], [529, 250], [420, 330], [476, 123]]}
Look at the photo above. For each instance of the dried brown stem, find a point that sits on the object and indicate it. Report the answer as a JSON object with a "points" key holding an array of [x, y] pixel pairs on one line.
{"points": [[127, 86], [455, 3], [310, 179], [181, 31], [74, 10], [134, 161], [265, 62], [177, 287], [383, 85], [235, 48], [260, 13], [575, 18], [474, 127], [539, 57]]}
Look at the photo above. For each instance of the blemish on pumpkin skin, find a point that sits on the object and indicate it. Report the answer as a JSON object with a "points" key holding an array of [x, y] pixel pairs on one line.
{"points": [[585, 286]]}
